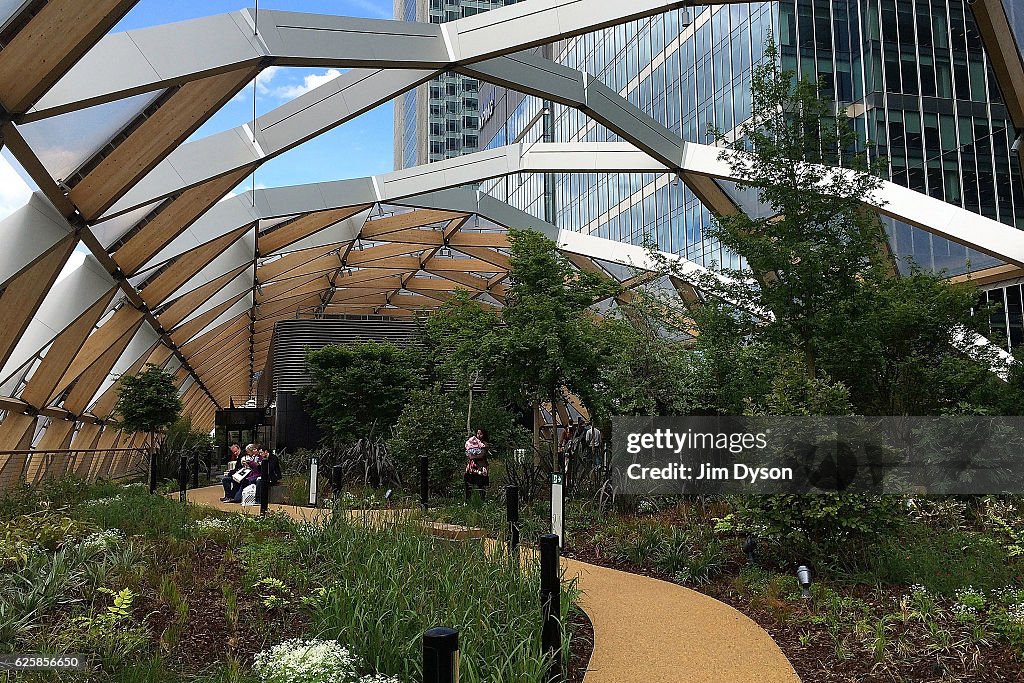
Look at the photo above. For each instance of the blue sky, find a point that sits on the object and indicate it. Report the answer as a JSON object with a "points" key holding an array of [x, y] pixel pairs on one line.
{"points": [[363, 146], [360, 147]]}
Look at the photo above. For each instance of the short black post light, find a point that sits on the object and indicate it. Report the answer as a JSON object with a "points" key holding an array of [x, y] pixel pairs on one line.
{"points": [[264, 488], [336, 477], [512, 517], [387, 498], [550, 603], [424, 481], [803, 576], [749, 548], [441, 655], [183, 478]]}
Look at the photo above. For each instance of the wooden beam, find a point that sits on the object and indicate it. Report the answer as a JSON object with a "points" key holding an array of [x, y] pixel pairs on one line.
{"points": [[292, 264], [186, 304], [412, 219], [493, 240], [272, 308], [121, 327], [1004, 54], [711, 194], [426, 238], [466, 279], [20, 300], [88, 384], [989, 276], [104, 405], [288, 233], [359, 258], [182, 333], [155, 138], [50, 44], [369, 310], [186, 266], [488, 255], [228, 327], [173, 218], [293, 288], [63, 351]]}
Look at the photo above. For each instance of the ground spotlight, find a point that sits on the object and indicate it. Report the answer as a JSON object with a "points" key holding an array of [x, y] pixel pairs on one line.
{"points": [[803, 575]]}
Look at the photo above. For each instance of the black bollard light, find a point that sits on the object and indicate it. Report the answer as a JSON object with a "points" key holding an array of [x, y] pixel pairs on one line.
{"points": [[512, 516], [264, 489], [551, 607], [441, 656], [749, 547], [424, 481], [336, 477], [183, 478]]}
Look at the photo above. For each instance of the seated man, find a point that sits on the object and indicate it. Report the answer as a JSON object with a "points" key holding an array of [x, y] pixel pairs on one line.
{"points": [[233, 466]]}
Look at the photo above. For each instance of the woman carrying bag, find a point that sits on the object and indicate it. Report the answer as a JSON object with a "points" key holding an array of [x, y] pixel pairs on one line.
{"points": [[477, 471]]}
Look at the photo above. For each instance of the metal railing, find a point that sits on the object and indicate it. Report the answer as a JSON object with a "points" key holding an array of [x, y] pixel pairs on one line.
{"points": [[34, 466]]}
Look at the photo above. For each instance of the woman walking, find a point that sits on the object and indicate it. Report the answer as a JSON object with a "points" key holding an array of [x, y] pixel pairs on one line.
{"points": [[477, 475]]}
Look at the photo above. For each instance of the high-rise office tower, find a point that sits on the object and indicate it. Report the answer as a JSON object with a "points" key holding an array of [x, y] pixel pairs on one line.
{"points": [[441, 119], [912, 75]]}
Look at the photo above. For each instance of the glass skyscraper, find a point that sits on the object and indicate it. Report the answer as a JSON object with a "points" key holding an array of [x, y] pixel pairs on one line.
{"points": [[911, 74], [439, 120]]}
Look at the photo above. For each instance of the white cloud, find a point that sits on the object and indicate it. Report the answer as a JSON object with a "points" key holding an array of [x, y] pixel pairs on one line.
{"points": [[14, 192], [264, 78], [310, 82]]}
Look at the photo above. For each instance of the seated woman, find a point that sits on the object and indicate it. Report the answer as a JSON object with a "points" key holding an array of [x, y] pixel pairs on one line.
{"points": [[234, 465], [253, 462]]}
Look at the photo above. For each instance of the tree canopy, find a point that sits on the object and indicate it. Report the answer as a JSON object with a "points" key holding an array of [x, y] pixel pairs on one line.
{"points": [[148, 401]]}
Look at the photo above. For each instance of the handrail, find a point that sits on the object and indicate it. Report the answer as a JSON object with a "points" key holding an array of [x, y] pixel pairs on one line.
{"points": [[34, 451], [19, 467]]}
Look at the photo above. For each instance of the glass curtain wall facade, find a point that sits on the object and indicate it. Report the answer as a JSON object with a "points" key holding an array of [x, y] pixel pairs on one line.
{"points": [[441, 119], [911, 74]]}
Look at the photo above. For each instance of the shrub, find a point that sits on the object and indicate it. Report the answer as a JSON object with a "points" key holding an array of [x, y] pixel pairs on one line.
{"points": [[429, 426], [941, 561], [830, 530]]}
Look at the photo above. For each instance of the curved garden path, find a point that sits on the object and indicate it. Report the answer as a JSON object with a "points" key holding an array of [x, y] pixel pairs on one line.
{"points": [[645, 630]]}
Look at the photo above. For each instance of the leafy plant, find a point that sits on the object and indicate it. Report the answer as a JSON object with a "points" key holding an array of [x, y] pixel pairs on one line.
{"points": [[148, 401], [359, 391], [429, 426]]}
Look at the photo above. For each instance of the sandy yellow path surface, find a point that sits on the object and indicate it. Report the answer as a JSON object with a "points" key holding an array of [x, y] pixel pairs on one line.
{"points": [[645, 630]]}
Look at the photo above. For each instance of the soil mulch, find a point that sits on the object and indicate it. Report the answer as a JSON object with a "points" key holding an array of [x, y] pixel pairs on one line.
{"points": [[581, 646], [810, 647], [205, 638]]}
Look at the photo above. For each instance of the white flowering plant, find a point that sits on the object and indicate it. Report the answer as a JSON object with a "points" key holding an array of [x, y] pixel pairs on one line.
{"points": [[312, 661], [103, 540]]}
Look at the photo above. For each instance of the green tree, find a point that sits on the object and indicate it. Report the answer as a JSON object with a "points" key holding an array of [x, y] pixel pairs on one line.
{"points": [[430, 425], [809, 252], [148, 402], [548, 341], [360, 390]]}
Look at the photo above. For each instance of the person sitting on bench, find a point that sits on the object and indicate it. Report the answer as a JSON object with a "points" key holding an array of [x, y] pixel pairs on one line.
{"points": [[234, 464]]}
